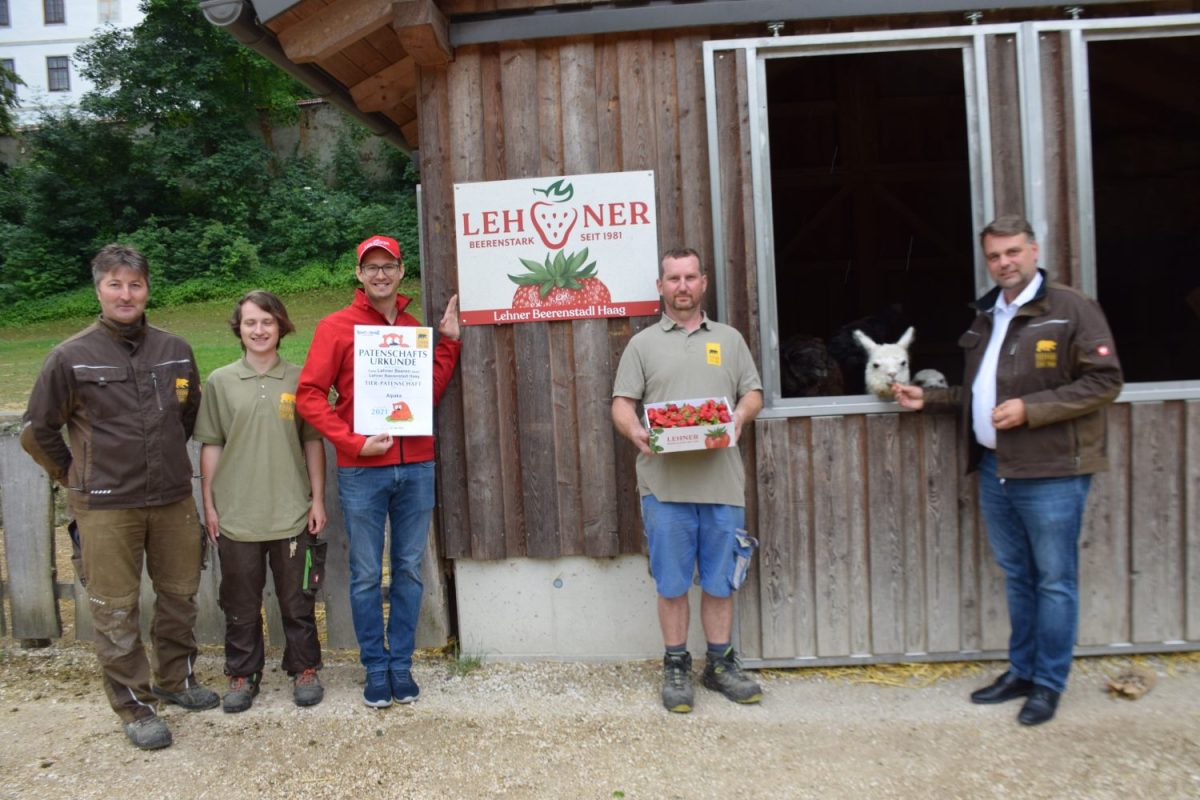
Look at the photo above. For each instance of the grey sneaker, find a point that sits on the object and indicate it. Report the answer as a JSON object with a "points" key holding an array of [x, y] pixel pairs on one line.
{"points": [[241, 694], [307, 689], [148, 733], [677, 682], [193, 698], [724, 674]]}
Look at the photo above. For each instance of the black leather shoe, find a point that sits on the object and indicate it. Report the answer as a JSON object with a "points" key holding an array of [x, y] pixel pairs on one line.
{"points": [[1006, 687], [1040, 706]]}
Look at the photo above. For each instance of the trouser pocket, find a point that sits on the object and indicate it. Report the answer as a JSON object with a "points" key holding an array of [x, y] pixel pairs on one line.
{"points": [[313, 576], [744, 547], [76, 553]]}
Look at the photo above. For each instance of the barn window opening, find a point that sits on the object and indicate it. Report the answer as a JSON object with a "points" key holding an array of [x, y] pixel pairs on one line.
{"points": [[1145, 124], [871, 203]]}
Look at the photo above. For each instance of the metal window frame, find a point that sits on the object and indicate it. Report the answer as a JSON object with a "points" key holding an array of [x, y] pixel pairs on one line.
{"points": [[59, 6], [10, 65], [970, 39], [1081, 32], [52, 70]]}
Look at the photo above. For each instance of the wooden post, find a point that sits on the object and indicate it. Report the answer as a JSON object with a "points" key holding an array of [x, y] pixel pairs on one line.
{"points": [[28, 543]]}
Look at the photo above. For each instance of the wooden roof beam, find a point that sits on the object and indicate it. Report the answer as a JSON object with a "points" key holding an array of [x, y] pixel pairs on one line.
{"points": [[423, 32], [335, 27], [386, 88]]}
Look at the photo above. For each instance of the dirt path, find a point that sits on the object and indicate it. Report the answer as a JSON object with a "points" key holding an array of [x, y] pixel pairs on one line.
{"points": [[553, 730]]}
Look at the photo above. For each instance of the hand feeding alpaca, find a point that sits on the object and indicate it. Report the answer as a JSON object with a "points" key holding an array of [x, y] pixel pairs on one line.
{"points": [[886, 363]]}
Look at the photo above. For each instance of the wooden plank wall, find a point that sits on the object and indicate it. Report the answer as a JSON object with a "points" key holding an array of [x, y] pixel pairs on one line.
{"points": [[875, 547], [531, 440]]}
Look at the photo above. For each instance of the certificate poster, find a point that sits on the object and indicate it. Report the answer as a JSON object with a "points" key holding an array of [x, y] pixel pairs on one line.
{"points": [[557, 248], [393, 380]]}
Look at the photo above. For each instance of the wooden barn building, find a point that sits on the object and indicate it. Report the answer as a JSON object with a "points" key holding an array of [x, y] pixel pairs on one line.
{"points": [[832, 161]]}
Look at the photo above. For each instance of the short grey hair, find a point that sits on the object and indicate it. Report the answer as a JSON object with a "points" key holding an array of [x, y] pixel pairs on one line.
{"points": [[115, 256]]}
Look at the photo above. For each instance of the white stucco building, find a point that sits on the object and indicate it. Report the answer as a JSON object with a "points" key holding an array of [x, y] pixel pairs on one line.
{"points": [[38, 39]]}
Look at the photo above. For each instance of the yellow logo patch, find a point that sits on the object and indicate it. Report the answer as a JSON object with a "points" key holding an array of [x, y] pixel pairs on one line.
{"points": [[287, 406], [422, 340], [713, 351], [181, 389], [1045, 354]]}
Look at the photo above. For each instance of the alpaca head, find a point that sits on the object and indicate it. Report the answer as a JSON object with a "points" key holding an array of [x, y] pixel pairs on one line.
{"points": [[886, 363], [930, 379]]}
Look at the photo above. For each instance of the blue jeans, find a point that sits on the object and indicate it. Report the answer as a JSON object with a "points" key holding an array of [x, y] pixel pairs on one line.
{"points": [[1033, 526], [403, 494]]}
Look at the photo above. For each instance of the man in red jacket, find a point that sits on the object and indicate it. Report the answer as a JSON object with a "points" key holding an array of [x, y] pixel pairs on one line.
{"points": [[380, 477]]}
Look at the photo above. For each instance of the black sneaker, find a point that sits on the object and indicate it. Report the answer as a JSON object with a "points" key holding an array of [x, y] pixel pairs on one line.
{"points": [[193, 698], [724, 674], [241, 694], [677, 682]]}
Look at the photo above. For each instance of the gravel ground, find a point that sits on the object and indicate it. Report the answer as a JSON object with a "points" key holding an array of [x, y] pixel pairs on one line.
{"points": [[570, 730]]}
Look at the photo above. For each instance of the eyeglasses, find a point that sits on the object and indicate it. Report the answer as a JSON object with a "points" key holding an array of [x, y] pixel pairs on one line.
{"points": [[374, 269]]}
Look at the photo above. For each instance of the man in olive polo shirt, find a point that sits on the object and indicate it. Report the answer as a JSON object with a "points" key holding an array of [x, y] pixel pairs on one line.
{"points": [[693, 503]]}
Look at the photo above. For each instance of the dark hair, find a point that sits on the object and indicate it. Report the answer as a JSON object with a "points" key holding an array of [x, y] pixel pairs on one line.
{"points": [[267, 302], [114, 256], [679, 252], [1008, 225]]}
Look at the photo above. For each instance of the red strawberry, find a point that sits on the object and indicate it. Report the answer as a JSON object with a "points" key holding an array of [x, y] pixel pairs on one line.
{"points": [[561, 281]]}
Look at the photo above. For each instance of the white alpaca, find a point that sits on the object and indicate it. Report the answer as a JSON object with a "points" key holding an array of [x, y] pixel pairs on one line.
{"points": [[886, 363], [930, 379]]}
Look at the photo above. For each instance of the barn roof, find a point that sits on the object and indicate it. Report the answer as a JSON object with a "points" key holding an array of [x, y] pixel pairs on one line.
{"points": [[363, 55]]}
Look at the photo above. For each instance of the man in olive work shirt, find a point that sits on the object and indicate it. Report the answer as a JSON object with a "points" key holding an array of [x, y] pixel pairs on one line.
{"points": [[693, 503]]}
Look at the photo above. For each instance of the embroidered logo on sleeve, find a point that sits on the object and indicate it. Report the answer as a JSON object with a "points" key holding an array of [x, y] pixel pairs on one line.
{"points": [[287, 406], [713, 351], [1045, 354], [181, 389]]}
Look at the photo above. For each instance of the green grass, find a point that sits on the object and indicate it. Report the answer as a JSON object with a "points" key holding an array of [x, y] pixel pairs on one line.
{"points": [[460, 664], [204, 325]]}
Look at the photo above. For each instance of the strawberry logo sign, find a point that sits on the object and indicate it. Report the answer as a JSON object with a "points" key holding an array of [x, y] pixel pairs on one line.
{"points": [[553, 237], [554, 222]]}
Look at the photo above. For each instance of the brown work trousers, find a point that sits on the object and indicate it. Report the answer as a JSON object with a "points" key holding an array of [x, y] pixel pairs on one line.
{"points": [[243, 576], [115, 542]]}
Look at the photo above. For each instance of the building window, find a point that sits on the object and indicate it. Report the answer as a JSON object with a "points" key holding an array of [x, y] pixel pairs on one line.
{"points": [[5, 21], [55, 12], [10, 68], [58, 73], [108, 12]]}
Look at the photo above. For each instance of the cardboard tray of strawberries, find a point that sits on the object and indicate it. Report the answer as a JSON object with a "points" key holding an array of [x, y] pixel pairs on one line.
{"points": [[695, 424]]}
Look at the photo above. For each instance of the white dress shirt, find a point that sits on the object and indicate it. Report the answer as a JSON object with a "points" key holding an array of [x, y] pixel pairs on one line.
{"points": [[983, 391]]}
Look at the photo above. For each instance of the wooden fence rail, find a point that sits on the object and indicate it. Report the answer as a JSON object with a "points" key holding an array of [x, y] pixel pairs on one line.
{"points": [[33, 586]]}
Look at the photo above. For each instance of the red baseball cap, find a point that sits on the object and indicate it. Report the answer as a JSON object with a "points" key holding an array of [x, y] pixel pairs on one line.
{"points": [[386, 242]]}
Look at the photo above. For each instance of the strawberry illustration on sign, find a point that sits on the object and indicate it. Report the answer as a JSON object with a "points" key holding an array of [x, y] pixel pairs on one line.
{"points": [[400, 412], [554, 222], [560, 281]]}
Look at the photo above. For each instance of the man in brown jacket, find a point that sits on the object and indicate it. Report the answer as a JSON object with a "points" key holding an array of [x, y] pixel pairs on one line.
{"points": [[128, 394], [1040, 368]]}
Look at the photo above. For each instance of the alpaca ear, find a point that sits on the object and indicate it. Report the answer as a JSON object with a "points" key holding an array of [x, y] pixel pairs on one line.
{"points": [[865, 341], [907, 338]]}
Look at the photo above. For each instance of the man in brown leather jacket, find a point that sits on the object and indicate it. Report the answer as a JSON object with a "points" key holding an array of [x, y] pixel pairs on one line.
{"points": [[1040, 368], [128, 394]]}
